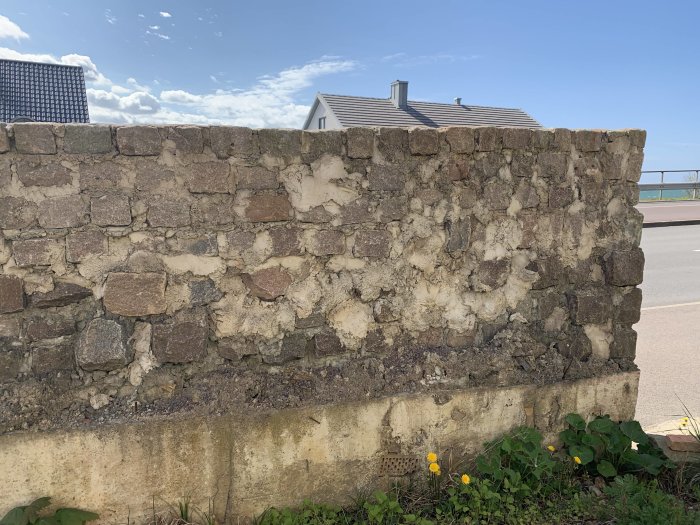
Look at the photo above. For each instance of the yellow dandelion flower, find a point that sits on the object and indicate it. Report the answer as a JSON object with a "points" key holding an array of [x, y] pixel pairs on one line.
{"points": [[577, 460], [432, 457], [551, 448], [438, 472], [434, 468], [466, 479], [684, 420]]}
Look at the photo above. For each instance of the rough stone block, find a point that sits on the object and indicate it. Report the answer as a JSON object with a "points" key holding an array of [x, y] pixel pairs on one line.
{"points": [[255, 178], [360, 143], [315, 320], [139, 140], [135, 294], [562, 139], [527, 195], [269, 208], [294, 347], [517, 138], [624, 267], [33, 173], [327, 343], [205, 244], [214, 209], [316, 215], [633, 169], [590, 306], [11, 294], [281, 143], [328, 242], [168, 212], [488, 139], [11, 363], [560, 197], [624, 343], [237, 242], [92, 139], [62, 294], [683, 443], [9, 326], [458, 234], [460, 139], [549, 272], [100, 176], [552, 164], [629, 309], [267, 284], [4, 139], [187, 139], [153, 177], [588, 140], [372, 243], [203, 291], [110, 210], [385, 311], [423, 141], [102, 346], [229, 141], [355, 212], [392, 209], [493, 274], [81, 245], [392, 143], [522, 165], [285, 241], [458, 169], [497, 194], [63, 212], [49, 357], [35, 252], [386, 178], [35, 138], [315, 144], [576, 346], [209, 177], [638, 137], [48, 326], [182, 338], [16, 213]]}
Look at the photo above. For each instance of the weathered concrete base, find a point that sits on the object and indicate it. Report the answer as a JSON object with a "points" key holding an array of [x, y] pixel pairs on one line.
{"points": [[247, 462]]}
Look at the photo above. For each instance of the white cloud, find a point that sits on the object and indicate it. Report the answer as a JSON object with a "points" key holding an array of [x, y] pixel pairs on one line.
{"points": [[141, 15], [158, 35], [110, 17], [165, 14], [155, 28], [92, 74], [8, 29]]}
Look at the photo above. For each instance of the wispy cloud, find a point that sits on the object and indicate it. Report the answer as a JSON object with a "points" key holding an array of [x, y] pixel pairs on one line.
{"points": [[110, 17], [158, 35], [405, 60], [8, 29], [154, 28], [165, 14]]}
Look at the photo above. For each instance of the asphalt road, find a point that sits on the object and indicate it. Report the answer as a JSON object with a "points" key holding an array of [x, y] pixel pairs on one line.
{"points": [[668, 344], [668, 211]]}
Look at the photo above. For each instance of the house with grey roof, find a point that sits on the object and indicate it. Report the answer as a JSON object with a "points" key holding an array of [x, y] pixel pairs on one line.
{"points": [[37, 92], [342, 111]]}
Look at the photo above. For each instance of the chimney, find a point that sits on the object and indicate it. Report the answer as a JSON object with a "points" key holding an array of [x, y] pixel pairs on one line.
{"points": [[458, 101], [399, 94]]}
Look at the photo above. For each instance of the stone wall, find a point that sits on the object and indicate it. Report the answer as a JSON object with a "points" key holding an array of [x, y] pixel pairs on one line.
{"points": [[159, 270]]}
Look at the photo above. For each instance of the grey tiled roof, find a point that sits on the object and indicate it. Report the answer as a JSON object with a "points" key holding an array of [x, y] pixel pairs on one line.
{"points": [[364, 111], [42, 92]]}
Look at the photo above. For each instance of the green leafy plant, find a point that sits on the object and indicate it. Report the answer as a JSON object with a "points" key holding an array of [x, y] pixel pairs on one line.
{"points": [[689, 423], [29, 515], [307, 514], [604, 447]]}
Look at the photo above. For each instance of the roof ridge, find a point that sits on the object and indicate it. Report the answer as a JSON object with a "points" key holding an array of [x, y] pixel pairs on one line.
{"points": [[38, 63], [422, 102]]}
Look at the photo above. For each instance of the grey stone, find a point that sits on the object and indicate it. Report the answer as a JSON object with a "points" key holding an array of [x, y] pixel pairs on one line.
{"points": [[49, 357], [562, 139], [183, 338], [316, 215], [267, 284], [93, 139], [168, 212], [269, 208], [16, 213], [423, 141], [460, 139], [592, 306], [516, 138], [139, 140], [372, 243], [497, 194], [327, 343], [239, 242], [294, 347], [11, 294], [576, 346], [588, 140], [215, 209], [458, 235], [9, 326], [32, 173], [63, 212], [624, 343], [285, 241], [81, 245], [48, 326], [629, 309], [488, 139], [205, 244], [227, 141], [526, 194], [385, 311], [633, 170], [35, 252], [328, 242], [11, 363], [493, 274], [62, 294], [255, 178], [552, 164], [135, 294], [561, 196], [624, 267], [235, 349], [315, 320], [102, 346], [4, 139], [110, 210], [360, 143], [549, 272], [458, 169], [392, 143], [386, 178], [153, 177], [100, 176], [392, 209], [35, 138], [280, 143], [355, 212], [187, 139], [203, 291], [315, 144], [522, 164], [209, 177]]}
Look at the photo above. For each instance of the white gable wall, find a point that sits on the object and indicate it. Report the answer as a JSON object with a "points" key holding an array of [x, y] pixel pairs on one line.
{"points": [[321, 111]]}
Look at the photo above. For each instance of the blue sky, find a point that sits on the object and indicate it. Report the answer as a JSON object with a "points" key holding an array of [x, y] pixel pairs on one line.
{"points": [[593, 64]]}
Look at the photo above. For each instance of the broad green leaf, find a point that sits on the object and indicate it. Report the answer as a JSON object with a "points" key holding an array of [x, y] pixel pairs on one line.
{"points": [[16, 516], [569, 437], [47, 520], [576, 422], [593, 441], [633, 430], [603, 425], [32, 510], [606, 469], [584, 453], [74, 516]]}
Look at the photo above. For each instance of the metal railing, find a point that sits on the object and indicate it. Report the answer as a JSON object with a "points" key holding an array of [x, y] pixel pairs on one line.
{"points": [[691, 186]]}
